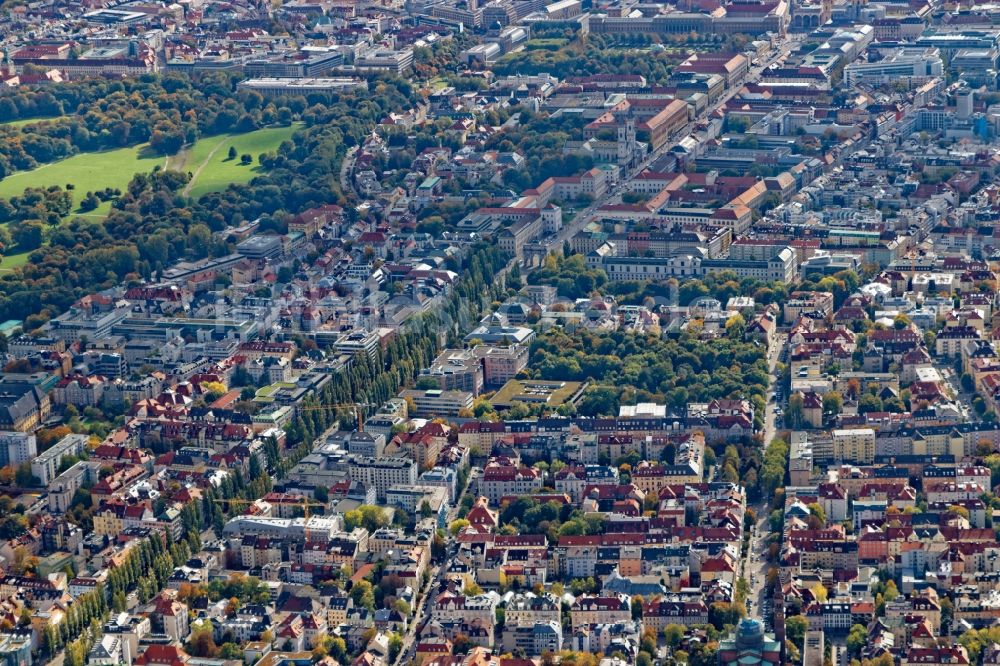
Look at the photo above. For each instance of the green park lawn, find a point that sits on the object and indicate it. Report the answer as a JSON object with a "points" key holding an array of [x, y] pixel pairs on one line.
{"points": [[28, 121], [87, 172], [437, 83], [549, 44], [11, 261], [207, 160]]}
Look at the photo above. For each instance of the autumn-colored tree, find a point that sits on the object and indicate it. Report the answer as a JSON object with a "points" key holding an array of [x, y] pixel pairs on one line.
{"points": [[46, 437], [795, 628], [471, 587], [457, 526], [201, 643], [217, 388], [232, 606], [189, 592]]}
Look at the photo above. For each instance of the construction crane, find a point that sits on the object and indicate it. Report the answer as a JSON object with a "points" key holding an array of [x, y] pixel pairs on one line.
{"points": [[356, 406], [235, 500], [305, 503]]}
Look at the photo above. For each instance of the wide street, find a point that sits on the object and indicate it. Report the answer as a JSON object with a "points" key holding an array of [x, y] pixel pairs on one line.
{"points": [[754, 567], [588, 214], [774, 394], [422, 612]]}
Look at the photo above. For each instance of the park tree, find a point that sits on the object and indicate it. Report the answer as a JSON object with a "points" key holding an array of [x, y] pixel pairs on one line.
{"points": [[28, 235]]}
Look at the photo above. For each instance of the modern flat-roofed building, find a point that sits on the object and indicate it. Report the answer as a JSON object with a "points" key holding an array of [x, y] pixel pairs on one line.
{"points": [[308, 62], [411, 498], [15, 648], [261, 247], [46, 466], [382, 473], [116, 17], [496, 333], [277, 86], [951, 41], [357, 342], [436, 402], [396, 62], [92, 318], [854, 445], [904, 64], [16, 447], [501, 364], [456, 370]]}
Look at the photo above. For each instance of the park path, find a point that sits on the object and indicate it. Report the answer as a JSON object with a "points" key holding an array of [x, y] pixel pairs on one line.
{"points": [[187, 188], [31, 172], [177, 161]]}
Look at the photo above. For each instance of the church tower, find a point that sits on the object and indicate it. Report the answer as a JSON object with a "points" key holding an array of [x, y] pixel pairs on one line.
{"points": [[625, 120], [779, 619]]}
